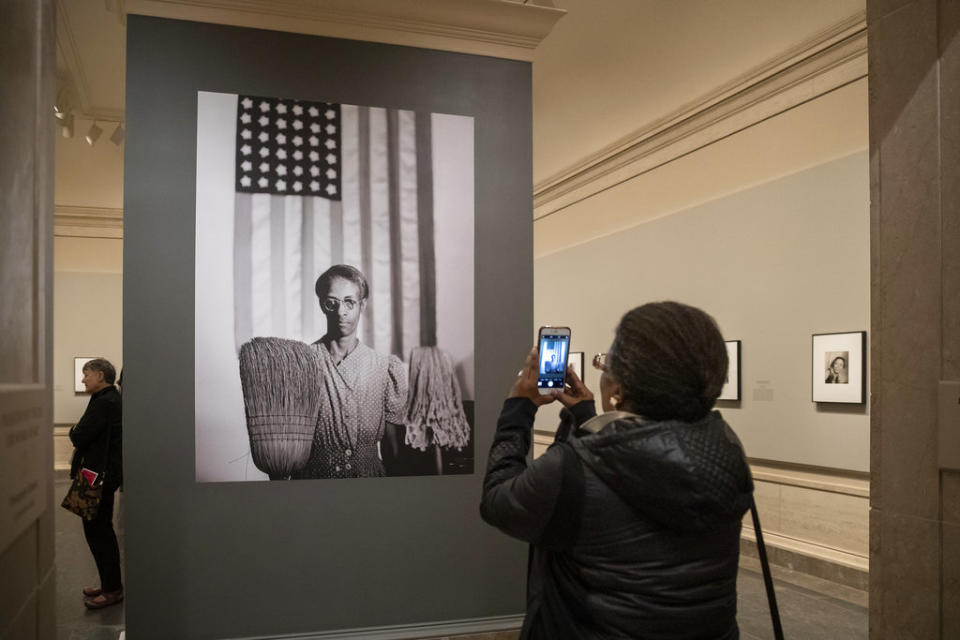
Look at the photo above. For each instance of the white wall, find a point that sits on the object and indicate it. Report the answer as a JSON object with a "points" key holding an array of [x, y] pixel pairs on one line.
{"points": [[773, 264], [87, 314]]}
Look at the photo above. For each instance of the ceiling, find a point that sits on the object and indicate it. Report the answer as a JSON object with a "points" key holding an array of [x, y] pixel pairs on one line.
{"points": [[607, 69], [91, 39], [613, 67]]}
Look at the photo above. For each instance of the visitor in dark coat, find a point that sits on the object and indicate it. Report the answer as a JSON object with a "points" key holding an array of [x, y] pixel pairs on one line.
{"points": [[98, 442], [634, 515]]}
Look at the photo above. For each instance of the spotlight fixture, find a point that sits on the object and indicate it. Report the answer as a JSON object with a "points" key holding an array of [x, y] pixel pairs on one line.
{"points": [[117, 136], [66, 125], [93, 134]]}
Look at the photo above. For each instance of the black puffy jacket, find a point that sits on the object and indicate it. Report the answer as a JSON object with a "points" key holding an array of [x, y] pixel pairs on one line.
{"points": [[635, 524]]}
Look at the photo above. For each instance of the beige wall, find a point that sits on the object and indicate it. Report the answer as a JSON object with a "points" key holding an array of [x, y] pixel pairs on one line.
{"points": [[773, 264], [89, 176], [87, 319]]}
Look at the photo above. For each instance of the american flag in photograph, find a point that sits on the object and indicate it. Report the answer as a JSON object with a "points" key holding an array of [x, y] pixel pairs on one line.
{"points": [[288, 147], [319, 184]]}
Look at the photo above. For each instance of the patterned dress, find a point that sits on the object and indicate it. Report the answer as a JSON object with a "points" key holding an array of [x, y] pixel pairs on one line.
{"points": [[359, 395]]}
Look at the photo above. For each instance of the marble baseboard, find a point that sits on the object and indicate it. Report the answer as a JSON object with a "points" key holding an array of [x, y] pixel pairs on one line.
{"points": [[492, 628], [809, 564], [62, 447]]}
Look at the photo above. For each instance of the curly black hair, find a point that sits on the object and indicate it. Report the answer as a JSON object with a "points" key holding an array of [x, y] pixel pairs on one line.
{"points": [[670, 361]]}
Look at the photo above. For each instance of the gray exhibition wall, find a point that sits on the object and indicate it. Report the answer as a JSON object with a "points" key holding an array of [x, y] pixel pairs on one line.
{"points": [[222, 560]]}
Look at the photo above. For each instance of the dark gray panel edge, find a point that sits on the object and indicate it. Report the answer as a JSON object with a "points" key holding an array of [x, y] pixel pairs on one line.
{"points": [[409, 631], [333, 554]]}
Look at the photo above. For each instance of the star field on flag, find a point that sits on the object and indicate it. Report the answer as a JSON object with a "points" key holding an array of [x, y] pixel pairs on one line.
{"points": [[288, 147]]}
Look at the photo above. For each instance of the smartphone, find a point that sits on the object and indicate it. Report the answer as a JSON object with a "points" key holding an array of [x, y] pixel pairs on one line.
{"points": [[554, 345]]}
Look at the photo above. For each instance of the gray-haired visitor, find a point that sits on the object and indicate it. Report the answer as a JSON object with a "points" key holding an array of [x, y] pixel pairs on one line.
{"points": [[98, 455]]}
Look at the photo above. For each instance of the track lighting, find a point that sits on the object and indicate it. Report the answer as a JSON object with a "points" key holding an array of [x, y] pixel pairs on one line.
{"points": [[66, 125], [93, 134], [117, 136], [63, 105]]}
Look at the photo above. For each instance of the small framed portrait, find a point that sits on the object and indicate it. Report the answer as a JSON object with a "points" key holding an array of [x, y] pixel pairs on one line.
{"points": [[839, 367], [731, 388], [78, 363], [576, 361]]}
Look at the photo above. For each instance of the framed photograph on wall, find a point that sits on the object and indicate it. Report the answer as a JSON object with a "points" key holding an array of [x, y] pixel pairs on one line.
{"points": [[576, 361], [731, 389], [78, 373], [839, 367]]}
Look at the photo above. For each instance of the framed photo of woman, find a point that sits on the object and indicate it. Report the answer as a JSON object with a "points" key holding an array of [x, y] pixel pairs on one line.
{"points": [[838, 367]]}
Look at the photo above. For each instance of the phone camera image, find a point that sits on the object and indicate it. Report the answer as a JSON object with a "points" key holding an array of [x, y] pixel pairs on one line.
{"points": [[554, 350]]}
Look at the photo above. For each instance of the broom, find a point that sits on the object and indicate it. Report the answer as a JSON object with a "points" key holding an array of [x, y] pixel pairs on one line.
{"points": [[434, 402], [280, 380]]}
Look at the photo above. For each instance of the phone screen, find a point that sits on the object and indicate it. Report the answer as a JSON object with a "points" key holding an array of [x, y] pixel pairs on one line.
{"points": [[554, 350]]}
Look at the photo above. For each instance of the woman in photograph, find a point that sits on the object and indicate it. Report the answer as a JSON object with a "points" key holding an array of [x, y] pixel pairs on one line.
{"points": [[837, 372], [363, 393], [98, 442], [634, 514]]}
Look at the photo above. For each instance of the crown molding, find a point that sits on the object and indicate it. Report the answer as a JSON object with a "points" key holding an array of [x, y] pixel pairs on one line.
{"points": [[831, 59], [100, 114], [87, 222], [76, 75], [496, 28], [71, 56]]}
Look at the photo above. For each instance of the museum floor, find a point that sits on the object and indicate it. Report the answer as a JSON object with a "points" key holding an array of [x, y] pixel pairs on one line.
{"points": [[811, 608]]}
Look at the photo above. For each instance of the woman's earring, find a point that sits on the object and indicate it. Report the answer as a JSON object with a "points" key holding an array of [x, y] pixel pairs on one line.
{"points": [[616, 401]]}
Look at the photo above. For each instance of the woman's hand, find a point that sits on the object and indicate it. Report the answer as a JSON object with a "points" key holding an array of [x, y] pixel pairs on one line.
{"points": [[574, 392], [525, 386]]}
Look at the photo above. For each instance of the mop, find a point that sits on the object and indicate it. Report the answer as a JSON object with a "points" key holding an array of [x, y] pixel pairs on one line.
{"points": [[434, 408]]}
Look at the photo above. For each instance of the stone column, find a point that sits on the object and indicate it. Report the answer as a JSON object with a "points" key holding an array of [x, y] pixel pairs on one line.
{"points": [[27, 93], [914, 75]]}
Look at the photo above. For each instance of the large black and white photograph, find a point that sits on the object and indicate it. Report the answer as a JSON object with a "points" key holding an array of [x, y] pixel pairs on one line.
{"points": [[839, 373], [334, 290]]}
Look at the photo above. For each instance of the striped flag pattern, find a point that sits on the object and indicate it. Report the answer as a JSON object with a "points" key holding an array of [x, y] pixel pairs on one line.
{"points": [[319, 184]]}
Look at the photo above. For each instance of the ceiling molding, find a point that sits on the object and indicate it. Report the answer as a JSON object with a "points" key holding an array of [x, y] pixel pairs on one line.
{"points": [[87, 222], [496, 28], [76, 76], [832, 59], [100, 114], [71, 56]]}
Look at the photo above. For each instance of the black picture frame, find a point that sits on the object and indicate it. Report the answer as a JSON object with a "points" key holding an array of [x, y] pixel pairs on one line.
{"points": [[838, 367], [732, 390], [78, 363], [576, 360]]}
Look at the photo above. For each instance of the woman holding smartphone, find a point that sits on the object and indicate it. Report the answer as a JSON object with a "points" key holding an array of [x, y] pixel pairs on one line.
{"points": [[633, 514]]}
